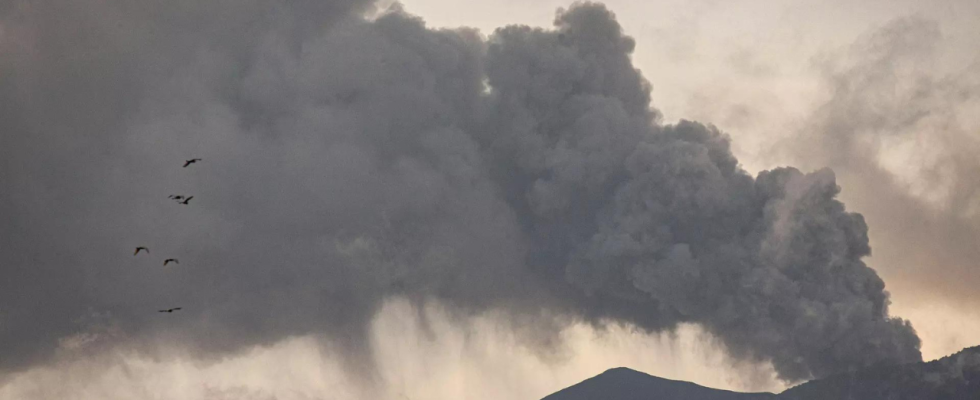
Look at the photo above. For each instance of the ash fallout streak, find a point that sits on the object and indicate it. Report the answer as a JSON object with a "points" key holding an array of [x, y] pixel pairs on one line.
{"points": [[354, 160]]}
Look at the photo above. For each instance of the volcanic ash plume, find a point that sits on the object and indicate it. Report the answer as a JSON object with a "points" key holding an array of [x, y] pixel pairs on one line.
{"points": [[349, 160]]}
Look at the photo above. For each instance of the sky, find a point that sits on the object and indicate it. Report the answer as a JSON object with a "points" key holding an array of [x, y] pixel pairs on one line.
{"points": [[389, 210]]}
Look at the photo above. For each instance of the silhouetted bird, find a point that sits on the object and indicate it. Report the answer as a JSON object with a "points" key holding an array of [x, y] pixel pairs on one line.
{"points": [[170, 260], [191, 161], [176, 197], [140, 248], [169, 310], [187, 200]]}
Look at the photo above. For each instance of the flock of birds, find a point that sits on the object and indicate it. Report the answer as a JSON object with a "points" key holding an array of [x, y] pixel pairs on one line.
{"points": [[185, 200]]}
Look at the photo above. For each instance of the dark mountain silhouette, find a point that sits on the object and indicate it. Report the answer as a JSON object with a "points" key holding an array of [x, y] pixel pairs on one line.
{"points": [[956, 377], [627, 384]]}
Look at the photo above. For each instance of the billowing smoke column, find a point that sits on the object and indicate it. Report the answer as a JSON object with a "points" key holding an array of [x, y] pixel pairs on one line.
{"points": [[349, 160]]}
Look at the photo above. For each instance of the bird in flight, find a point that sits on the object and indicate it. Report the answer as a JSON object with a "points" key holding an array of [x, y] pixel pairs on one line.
{"points": [[191, 161], [169, 310], [140, 248], [187, 200], [170, 260], [176, 197]]}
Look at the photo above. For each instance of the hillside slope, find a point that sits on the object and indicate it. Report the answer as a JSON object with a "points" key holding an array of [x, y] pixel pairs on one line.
{"points": [[956, 377], [627, 384]]}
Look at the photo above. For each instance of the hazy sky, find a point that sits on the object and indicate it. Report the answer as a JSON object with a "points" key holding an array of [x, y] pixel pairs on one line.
{"points": [[885, 93]]}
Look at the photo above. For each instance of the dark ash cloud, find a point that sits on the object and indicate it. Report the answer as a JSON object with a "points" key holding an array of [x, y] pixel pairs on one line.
{"points": [[349, 160]]}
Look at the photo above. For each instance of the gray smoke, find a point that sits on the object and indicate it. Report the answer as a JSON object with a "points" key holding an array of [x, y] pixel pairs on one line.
{"points": [[888, 92], [348, 160]]}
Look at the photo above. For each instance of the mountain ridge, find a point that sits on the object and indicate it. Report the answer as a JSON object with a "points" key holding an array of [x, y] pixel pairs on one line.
{"points": [[954, 377], [637, 385]]}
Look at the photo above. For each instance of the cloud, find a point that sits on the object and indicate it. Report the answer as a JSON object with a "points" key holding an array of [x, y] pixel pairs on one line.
{"points": [[899, 127], [349, 160], [442, 360]]}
